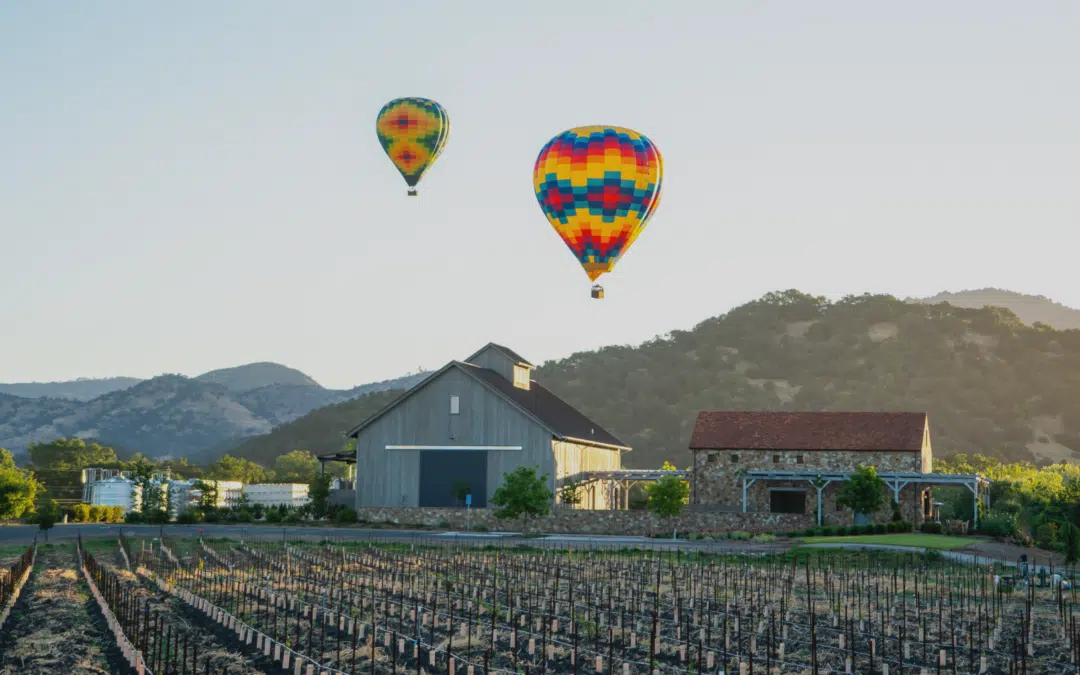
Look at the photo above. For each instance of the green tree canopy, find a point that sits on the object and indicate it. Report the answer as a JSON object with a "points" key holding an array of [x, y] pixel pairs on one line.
{"points": [[19, 491], [319, 494], [298, 466], [235, 468], [71, 454], [864, 492], [667, 496], [523, 494], [6, 459]]}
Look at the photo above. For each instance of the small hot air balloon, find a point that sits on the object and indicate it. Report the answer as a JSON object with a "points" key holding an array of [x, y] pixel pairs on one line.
{"points": [[598, 187], [413, 131]]}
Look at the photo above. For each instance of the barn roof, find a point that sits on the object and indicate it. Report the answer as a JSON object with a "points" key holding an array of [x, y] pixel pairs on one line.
{"points": [[858, 431], [563, 420], [506, 351]]}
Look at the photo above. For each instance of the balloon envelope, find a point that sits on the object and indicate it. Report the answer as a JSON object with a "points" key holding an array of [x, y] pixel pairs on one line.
{"points": [[413, 131], [598, 187]]}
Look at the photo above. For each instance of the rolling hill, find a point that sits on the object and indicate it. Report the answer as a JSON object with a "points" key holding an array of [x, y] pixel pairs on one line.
{"points": [[171, 415], [1031, 309], [990, 383]]}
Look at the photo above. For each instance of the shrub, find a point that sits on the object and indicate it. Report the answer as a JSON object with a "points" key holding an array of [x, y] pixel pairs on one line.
{"points": [[273, 516], [114, 514], [81, 513], [187, 518], [765, 538], [443, 525], [828, 531], [791, 533], [484, 528], [157, 517], [345, 516], [998, 525], [211, 515], [134, 517], [879, 528], [930, 527], [892, 528], [740, 536], [1046, 535], [244, 516], [292, 517], [97, 514]]}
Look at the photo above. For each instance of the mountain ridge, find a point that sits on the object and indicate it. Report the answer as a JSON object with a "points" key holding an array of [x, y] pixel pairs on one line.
{"points": [[861, 352], [990, 383]]}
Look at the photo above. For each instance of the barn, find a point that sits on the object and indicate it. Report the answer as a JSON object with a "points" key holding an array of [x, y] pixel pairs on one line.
{"points": [[458, 431]]}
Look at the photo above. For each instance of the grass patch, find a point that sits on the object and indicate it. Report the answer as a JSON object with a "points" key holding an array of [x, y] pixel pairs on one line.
{"points": [[934, 541]]}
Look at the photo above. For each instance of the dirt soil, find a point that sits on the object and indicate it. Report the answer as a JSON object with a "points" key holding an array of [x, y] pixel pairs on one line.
{"points": [[56, 626], [1012, 552]]}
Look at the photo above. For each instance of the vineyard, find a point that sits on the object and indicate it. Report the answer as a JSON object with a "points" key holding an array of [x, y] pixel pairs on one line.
{"points": [[326, 606]]}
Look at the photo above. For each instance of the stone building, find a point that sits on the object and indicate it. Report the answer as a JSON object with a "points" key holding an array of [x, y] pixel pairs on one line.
{"points": [[795, 462]]}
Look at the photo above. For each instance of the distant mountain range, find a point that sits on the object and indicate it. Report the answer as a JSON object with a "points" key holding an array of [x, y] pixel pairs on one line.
{"points": [[841, 356], [1031, 309], [170, 415]]}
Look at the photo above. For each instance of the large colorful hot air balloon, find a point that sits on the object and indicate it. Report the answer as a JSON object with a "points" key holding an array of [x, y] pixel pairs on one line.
{"points": [[598, 187], [413, 131]]}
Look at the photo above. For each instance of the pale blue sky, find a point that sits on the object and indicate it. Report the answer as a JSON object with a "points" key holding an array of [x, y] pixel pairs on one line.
{"points": [[192, 185]]}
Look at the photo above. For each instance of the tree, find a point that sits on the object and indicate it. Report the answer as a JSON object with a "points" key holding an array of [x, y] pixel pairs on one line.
{"points": [[208, 494], [523, 494], [1071, 535], [18, 492], [667, 496], [864, 492], [47, 513], [570, 493], [71, 453], [319, 494], [235, 468], [298, 466], [7, 460]]}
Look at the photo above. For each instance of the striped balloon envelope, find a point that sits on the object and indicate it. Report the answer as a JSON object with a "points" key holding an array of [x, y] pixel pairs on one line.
{"points": [[413, 131], [599, 187]]}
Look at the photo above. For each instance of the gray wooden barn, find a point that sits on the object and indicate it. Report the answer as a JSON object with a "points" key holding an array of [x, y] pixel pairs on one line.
{"points": [[467, 424]]}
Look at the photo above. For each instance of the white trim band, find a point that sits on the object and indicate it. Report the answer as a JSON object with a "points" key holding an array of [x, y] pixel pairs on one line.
{"points": [[453, 447]]}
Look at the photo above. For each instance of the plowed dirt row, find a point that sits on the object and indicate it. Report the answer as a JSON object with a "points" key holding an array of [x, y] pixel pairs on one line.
{"points": [[56, 627]]}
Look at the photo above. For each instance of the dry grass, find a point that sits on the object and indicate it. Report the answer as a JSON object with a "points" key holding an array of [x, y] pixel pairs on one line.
{"points": [[54, 633]]}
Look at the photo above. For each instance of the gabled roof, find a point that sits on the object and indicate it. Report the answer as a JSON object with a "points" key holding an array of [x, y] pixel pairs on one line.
{"points": [[564, 421], [506, 351], [858, 431]]}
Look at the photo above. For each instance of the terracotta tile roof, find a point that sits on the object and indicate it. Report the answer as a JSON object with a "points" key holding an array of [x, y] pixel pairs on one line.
{"points": [[868, 431]]}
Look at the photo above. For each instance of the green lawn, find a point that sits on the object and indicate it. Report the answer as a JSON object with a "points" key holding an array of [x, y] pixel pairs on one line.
{"points": [[938, 541]]}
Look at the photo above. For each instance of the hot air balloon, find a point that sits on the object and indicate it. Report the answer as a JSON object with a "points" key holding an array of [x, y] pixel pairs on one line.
{"points": [[413, 131], [598, 187]]}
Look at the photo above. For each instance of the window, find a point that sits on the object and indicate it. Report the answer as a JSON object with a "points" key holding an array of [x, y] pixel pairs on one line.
{"points": [[776, 459], [799, 459], [713, 457], [734, 459], [787, 501], [521, 377], [455, 405]]}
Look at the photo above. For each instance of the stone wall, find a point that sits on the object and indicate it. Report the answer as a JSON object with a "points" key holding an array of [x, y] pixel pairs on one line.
{"points": [[579, 521], [716, 479]]}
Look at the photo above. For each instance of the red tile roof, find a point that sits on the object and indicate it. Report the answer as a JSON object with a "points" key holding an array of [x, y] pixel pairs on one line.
{"points": [[867, 431]]}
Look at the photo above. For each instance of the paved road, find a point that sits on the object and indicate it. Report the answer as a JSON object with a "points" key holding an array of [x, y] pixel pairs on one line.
{"points": [[25, 533]]}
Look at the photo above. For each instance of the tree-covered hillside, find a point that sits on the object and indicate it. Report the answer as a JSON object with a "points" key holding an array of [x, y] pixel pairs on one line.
{"points": [[989, 383], [319, 431]]}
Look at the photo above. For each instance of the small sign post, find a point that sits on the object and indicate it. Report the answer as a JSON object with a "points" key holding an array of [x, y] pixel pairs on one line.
{"points": [[468, 512]]}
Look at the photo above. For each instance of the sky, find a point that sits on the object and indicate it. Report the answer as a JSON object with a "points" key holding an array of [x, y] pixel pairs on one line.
{"points": [[197, 185]]}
